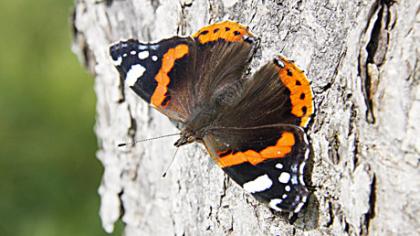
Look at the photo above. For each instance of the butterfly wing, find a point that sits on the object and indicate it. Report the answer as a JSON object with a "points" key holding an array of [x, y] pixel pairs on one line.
{"points": [[266, 151], [153, 70], [279, 92], [177, 75], [267, 161], [225, 50]]}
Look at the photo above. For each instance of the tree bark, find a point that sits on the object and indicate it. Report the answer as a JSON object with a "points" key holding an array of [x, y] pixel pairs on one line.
{"points": [[363, 59]]}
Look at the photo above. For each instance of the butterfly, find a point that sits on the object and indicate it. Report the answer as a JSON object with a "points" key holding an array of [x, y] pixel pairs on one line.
{"points": [[252, 126]]}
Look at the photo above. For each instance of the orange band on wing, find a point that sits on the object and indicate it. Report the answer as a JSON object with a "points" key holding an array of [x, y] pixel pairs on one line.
{"points": [[226, 30], [279, 150], [300, 91], [162, 77]]}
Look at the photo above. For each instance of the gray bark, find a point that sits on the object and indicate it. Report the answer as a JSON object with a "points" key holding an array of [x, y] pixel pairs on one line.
{"points": [[363, 59]]}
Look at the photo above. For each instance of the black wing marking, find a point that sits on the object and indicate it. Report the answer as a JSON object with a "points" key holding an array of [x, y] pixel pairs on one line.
{"points": [[154, 70], [268, 161]]}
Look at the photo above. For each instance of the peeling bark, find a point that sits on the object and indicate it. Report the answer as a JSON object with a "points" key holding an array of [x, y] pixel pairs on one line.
{"points": [[362, 57]]}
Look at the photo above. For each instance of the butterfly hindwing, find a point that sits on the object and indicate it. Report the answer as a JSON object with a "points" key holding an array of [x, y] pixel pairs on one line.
{"points": [[267, 150], [267, 161]]}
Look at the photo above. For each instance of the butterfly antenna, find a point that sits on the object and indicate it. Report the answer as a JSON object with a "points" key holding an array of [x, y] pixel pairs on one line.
{"points": [[170, 164], [148, 139]]}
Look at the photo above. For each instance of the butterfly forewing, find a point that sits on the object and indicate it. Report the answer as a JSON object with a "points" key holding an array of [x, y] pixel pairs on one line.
{"points": [[153, 70], [180, 75], [278, 92]]}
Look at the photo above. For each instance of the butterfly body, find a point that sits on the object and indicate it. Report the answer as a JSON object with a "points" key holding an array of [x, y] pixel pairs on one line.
{"points": [[252, 126]]}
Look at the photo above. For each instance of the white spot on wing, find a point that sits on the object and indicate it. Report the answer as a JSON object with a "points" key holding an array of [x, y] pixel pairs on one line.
{"points": [[301, 180], [279, 166], [306, 154], [142, 47], [133, 52], [302, 167], [274, 202], [154, 58], [143, 55], [154, 47], [118, 61], [279, 62], [135, 72], [299, 206], [284, 177], [259, 184], [294, 179], [284, 196], [287, 188], [305, 139]]}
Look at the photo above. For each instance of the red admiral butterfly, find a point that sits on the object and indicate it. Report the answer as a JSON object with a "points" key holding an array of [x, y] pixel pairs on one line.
{"points": [[251, 126]]}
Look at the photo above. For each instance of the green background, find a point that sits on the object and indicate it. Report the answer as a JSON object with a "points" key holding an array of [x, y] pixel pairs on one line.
{"points": [[48, 171]]}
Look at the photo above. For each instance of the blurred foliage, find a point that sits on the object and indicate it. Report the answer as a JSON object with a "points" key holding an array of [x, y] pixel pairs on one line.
{"points": [[48, 171]]}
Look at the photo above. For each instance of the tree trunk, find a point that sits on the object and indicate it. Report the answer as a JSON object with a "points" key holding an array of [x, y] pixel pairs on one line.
{"points": [[363, 60]]}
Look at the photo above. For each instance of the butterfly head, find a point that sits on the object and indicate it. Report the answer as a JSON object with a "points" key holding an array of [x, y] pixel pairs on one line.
{"points": [[187, 137]]}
